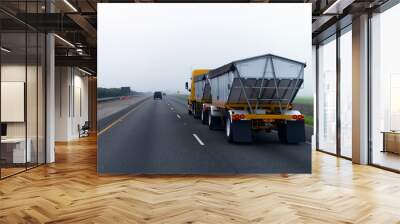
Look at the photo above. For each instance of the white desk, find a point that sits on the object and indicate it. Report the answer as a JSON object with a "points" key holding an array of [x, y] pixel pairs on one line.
{"points": [[19, 151], [391, 141]]}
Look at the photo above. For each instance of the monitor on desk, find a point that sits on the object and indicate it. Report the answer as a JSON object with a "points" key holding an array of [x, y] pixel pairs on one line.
{"points": [[3, 130]]}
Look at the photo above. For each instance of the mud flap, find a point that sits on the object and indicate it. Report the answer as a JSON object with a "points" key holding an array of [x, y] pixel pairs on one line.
{"points": [[292, 132], [241, 131]]}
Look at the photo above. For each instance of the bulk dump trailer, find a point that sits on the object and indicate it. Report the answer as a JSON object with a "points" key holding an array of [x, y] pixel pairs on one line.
{"points": [[254, 94]]}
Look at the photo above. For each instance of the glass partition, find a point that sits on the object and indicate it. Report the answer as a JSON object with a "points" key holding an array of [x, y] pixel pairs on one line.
{"points": [[22, 77], [346, 93], [15, 150], [385, 89], [327, 96]]}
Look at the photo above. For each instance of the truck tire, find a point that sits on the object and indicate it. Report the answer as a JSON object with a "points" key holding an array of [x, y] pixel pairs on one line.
{"points": [[212, 122], [238, 131], [228, 129], [189, 109], [204, 116], [196, 113]]}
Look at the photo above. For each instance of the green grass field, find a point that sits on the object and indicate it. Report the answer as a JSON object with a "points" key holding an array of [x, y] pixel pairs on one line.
{"points": [[304, 100], [309, 120]]}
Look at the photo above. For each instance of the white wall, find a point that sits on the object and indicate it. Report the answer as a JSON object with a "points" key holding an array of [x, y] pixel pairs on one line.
{"points": [[71, 102], [62, 82], [12, 73], [33, 126]]}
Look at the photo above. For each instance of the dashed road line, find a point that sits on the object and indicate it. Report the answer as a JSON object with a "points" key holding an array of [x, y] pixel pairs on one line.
{"points": [[198, 139], [179, 117]]}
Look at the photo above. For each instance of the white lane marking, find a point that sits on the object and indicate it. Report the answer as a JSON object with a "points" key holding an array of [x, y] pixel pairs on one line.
{"points": [[172, 108], [178, 116], [198, 139]]}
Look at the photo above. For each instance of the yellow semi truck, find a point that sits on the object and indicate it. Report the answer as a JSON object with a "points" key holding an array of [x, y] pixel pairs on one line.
{"points": [[250, 95], [195, 99]]}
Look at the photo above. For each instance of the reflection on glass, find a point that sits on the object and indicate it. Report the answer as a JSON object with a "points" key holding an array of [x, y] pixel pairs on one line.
{"points": [[386, 89], [15, 150], [22, 92], [346, 94], [327, 97]]}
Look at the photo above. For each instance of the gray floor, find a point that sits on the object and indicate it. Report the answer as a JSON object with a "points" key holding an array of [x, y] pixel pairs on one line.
{"points": [[157, 138]]}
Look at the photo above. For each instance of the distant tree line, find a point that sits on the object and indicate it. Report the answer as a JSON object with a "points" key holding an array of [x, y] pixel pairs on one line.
{"points": [[114, 92]]}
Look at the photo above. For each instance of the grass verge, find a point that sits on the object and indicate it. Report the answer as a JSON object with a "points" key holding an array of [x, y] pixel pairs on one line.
{"points": [[304, 100]]}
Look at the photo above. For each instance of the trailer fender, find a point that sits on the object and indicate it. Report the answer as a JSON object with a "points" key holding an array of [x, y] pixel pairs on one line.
{"points": [[291, 112], [232, 112]]}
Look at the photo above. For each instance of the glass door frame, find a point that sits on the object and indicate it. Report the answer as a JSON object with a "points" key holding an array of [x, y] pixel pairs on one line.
{"points": [[337, 35], [387, 5], [30, 29]]}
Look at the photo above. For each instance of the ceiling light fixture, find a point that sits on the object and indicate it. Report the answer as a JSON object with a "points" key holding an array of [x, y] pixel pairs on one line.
{"points": [[5, 50], [64, 40], [70, 5], [337, 7], [84, 71]]}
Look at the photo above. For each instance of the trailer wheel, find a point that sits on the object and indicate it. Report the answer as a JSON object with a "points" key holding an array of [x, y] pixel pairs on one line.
{"points": [[204, 116], [212, 122], [189, 109], [196, 111], [193, 110], [228, 129], [238, 131]]}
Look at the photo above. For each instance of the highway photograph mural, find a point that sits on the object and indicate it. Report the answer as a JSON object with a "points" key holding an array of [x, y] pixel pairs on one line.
{"points": [[204, 89]]}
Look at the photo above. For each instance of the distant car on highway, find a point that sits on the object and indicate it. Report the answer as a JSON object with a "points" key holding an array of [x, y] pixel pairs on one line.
{"points": [[158, 95], [164, 94]]}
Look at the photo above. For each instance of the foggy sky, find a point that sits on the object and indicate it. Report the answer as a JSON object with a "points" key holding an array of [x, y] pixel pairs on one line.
{"points": [[156, 46]]}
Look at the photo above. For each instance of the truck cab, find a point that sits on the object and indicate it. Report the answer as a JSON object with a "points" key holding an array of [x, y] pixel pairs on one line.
{"points": [[193, 105]]}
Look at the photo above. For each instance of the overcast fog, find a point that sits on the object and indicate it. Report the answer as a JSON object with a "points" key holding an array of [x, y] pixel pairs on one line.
{"points": [[156, 46]]}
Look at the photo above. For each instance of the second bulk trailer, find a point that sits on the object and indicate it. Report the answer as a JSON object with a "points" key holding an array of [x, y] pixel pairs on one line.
{"points": [[253, 94]]}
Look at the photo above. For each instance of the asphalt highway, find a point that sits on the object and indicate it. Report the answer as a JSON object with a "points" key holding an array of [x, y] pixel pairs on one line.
{"points": [[159, 137]]}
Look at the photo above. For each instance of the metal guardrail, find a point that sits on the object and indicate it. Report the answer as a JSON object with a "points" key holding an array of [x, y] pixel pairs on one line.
{"points": [[105, 99]]}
